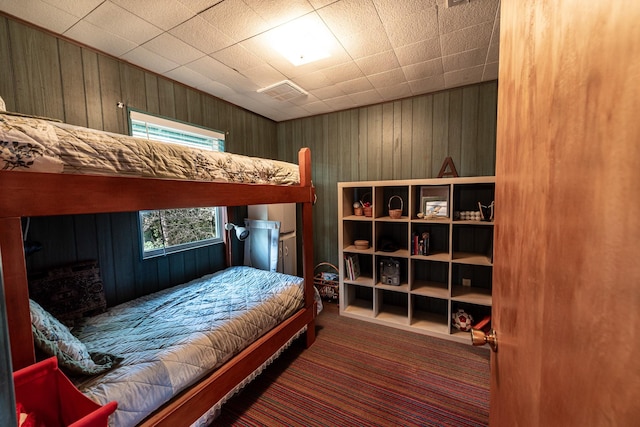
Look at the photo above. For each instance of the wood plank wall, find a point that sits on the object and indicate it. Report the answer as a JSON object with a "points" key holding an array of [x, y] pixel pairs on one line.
{"points": [[45, 75], [396, 140]]}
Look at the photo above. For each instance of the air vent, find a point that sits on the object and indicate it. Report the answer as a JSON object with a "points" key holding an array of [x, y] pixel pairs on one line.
{"points": [[283, 90]]}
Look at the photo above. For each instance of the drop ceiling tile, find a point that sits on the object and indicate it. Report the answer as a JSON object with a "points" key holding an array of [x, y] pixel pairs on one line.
{"points": [[366, 98], [378, 63], [340, 102], [78, 8], [202, 35], [350, 16], [317, 107], [173, 49], [390, 93], [466, 39], [413, 28], [467, 59], [301, 101], [149, 60], [215, 70], [99, 39], [466, 15], [463, 77], [163, 14], [421, 51], [392, 10], [430, 84], [264, 75], [317, 4], [312, 81], [235, 19], [237, 57], [187, 76], [40, 13], [490, 71], [494, 53], [327, 92], [216, 88], [198, 6], [366, 43], [345, 71], [276, 12], [422, 70], [388, 78], [118, 21], [350, 87]]}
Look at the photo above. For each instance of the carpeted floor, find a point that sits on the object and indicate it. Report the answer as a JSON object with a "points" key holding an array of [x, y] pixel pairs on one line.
{"points": [[361, 374]]}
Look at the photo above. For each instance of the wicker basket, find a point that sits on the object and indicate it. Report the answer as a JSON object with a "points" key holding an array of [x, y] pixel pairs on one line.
{"points": [[325, 279], [368, 210], [395, 213]]}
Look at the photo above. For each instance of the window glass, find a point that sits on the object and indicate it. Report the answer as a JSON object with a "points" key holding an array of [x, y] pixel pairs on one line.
{"points": [[172, 230]]}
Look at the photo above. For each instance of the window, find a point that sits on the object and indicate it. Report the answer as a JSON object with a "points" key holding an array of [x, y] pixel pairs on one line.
{"points": [[172, 230]]}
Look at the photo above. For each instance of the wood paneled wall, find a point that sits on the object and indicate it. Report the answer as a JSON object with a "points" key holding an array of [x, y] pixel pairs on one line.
{"points": [[44, 75], [396, 140]]}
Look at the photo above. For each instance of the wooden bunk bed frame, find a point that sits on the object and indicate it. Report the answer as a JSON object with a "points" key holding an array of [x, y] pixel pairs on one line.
{"points": [[24, 194]]}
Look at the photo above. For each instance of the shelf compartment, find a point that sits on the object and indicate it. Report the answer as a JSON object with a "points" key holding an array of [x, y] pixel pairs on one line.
{"points": [[471, 258], [393, 306], [365, 264], [357, 300], [429, 314], [438, 242], [467, 196], [388, 272], [427, 196], [430, 278], [383, 194], [471, 295], [430, 289], [480, 277], [396, 233], [352, 195], [477, 311], [356, 230], [472, 244]]}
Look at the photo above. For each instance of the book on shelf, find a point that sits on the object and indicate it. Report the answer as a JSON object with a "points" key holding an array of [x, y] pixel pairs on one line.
{"points": [[352, 266], [420, 244]]}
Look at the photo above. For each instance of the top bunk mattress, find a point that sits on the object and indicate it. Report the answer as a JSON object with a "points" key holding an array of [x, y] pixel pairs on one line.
{"points": [[40, 145], [170, 339]]}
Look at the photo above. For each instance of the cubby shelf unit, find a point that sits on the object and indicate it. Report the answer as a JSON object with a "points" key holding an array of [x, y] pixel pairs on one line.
{"points": [[429, 282]]}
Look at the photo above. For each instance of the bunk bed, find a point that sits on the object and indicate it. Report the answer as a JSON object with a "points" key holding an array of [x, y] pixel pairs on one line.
{"points": [[38, 177]]}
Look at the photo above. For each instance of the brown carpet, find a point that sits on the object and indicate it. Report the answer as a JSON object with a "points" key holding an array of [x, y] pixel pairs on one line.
{"points": [[361, 374]]}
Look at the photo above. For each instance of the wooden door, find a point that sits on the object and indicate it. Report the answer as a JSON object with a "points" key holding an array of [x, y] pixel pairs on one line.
{"points": [[567, 250]]}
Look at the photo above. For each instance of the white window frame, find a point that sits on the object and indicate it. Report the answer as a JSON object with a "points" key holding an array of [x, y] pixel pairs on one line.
{"points": [[192, 136]]}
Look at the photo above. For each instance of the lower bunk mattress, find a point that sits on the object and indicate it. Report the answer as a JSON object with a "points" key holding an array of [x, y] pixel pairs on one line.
{"points": [[170, 339]]}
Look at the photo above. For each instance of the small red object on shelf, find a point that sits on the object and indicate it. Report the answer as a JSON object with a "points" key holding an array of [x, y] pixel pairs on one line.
{"points": [[46, 394]]}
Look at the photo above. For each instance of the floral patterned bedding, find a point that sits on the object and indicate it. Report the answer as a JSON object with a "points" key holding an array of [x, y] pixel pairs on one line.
{"points": [[39, 145]]}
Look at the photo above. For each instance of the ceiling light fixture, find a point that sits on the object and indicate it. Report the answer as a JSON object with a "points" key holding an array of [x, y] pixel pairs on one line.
{"points": [[302, 41]]}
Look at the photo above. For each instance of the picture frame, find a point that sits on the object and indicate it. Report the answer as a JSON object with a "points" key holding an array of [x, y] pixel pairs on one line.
{"points": [[434, 201], [434, 206]]}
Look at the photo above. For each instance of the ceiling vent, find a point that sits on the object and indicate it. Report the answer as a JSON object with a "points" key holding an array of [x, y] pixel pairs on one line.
{"points": [[283, 91]]}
